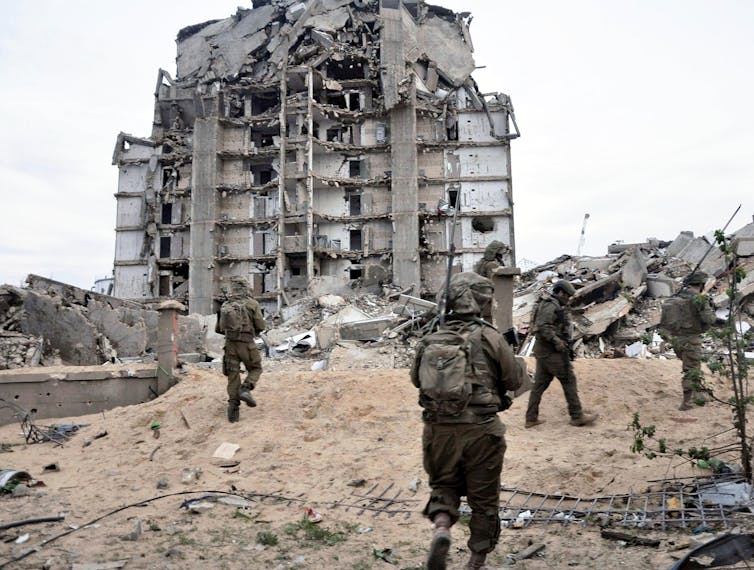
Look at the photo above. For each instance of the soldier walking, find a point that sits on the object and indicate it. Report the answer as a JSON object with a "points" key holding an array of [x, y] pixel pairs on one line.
{"points": [[692, 317], [552, 350], [240, 319], [463, 372]]}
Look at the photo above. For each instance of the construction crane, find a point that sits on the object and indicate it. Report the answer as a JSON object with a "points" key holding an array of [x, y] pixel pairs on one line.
{"points": [[583, 236]]}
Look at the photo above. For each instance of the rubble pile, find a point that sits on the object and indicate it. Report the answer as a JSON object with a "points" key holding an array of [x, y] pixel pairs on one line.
{"points": [[617, 305], [18, 350], [50, 323], [616, 312]]}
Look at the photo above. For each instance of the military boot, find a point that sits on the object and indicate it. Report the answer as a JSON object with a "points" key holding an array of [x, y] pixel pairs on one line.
{"points": [[233, 411], [476, 561], [244, 394], [700, 397], [584, 419], [438, 550], [688, 400]]}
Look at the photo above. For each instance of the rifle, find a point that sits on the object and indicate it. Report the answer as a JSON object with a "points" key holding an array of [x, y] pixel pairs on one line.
{"points": [[686, 280], [442, 309]]}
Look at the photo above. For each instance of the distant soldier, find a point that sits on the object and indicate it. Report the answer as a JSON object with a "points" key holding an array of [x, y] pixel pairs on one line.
{"points": [[240, 319], [552, 350], [685, 317], [493, 258], [463, 372]]}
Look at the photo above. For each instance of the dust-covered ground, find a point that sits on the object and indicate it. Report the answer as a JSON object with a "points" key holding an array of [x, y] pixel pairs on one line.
{"points": [[324, 441]]}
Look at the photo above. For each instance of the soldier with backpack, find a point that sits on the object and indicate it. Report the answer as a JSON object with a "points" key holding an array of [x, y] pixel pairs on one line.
{"points": [[551, 325], [685, 317], [240, 319], [463, 371]]}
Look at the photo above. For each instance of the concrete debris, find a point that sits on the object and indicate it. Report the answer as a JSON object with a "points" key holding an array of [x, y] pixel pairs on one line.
{"points": [[616, 308], [616, 312], [49, 323]]}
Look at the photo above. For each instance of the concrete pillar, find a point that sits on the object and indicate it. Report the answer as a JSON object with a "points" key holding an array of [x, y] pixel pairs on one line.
{"points": [[203, 203], [502, 303], [167, 344], [396, 26]]}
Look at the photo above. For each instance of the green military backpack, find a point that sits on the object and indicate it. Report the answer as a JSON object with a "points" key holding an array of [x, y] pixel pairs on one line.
{"points": [[680, 317], [446, 372], [234, 318]]}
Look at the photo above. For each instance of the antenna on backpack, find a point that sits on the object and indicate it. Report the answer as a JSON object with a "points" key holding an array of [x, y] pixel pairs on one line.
{"points": [[443, 308]]}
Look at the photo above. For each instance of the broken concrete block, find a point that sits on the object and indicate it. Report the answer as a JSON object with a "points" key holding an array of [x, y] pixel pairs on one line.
{"points": [[327, 336], [73, 335], [683, 239], [601, 316], [659, 286], [330, 301], [128, 339], [371, 329], [594, 263], [634, 272], [744, 247], [226, 450]]}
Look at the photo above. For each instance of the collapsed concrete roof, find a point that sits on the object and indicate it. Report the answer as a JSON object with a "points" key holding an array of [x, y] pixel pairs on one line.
{"points": [[435, 42]]}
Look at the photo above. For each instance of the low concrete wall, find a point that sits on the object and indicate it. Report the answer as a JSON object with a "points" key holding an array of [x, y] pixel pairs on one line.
{"points": [[63, 391]]}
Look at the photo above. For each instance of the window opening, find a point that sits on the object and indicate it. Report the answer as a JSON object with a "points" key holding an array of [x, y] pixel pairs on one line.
{"points": [[167, 213], [355, 240], [164, 286], [164, 247], [452, 197], [354, 204]]}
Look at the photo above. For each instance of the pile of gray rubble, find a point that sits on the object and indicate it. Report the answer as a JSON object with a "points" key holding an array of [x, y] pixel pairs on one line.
{"points": [[616, 312], [617, 306]]}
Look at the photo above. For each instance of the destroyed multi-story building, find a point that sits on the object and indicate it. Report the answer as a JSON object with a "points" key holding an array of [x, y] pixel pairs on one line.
{"points": [[313, 146]]}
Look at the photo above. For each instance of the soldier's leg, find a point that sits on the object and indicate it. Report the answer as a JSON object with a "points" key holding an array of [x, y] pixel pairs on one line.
{"points": [[253, 363], [441, 456], [563, 370], [542, 379], [232, 369], [483, 463], [692, 370]]}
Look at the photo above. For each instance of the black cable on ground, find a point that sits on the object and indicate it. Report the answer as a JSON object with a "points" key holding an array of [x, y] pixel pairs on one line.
{"points": [[44, 543]]}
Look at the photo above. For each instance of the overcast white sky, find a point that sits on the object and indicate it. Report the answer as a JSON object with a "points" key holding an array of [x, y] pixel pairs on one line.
{"points": [[640, 113]]}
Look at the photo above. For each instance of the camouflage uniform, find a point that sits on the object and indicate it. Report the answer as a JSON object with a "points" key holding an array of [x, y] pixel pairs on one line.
{"points": [[463, 456], [688, 347], [240, 347], [493, 258], [552, 329]]}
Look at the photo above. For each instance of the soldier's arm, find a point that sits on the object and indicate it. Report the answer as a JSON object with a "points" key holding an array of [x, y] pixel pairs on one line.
{"points": [[218, 330], [414, 374], [508, 377], [706, 314], [546, 323], [257, 318]]}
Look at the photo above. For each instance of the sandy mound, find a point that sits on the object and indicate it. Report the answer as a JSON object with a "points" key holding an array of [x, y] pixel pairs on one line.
{"points": [[319, 440]]}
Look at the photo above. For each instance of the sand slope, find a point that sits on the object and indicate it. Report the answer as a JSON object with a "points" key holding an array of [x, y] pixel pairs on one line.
{"points": [[312, 436]]}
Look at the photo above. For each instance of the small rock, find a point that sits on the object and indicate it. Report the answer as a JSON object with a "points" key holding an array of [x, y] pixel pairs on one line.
{"points": [[163, 483], [20, 490]]}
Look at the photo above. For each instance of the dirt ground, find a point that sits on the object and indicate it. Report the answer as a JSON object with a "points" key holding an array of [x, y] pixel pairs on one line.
{"points": [[317, 441]]}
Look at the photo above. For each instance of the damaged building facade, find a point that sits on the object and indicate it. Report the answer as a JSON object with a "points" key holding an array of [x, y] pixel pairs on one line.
{"points": [[314, 146]]}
